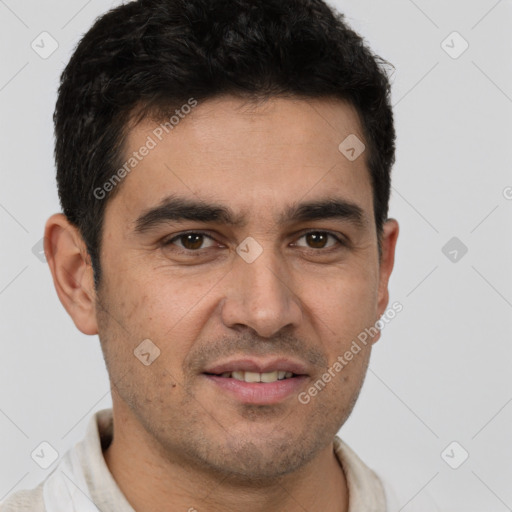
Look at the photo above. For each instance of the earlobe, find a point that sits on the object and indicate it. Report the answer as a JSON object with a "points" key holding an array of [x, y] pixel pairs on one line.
{"points": [[72, 272], [388, 244]]}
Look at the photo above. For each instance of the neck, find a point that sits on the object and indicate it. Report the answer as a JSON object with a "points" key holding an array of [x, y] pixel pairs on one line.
{"points": [[152, 481]]}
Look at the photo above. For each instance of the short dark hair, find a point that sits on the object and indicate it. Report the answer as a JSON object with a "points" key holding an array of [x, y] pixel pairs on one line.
{"points": [[145, 58]]}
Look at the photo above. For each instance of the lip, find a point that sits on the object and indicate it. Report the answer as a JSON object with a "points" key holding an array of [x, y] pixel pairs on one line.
{"points": [[259, 366], [260, 393]]}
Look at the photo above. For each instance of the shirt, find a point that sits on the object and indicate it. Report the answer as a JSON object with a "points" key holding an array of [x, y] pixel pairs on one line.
{"points": [[82, 481]]}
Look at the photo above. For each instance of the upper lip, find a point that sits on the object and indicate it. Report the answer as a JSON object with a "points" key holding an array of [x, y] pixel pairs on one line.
{"points": [[259, 366]]}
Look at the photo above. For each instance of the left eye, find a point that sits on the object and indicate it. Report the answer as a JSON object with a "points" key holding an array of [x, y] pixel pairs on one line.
{"points": [[318, 240], [191, 241]]}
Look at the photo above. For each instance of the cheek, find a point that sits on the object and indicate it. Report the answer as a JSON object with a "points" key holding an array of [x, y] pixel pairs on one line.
{"points": [[140, 348], [168, 309], [344, 305]]}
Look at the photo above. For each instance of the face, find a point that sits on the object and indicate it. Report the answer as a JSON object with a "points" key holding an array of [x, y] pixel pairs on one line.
{"points": [[244, 243]]}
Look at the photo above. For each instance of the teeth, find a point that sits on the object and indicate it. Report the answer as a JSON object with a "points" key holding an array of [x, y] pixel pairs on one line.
{"points": [[252, 377], [267, 377], [258, 377]]}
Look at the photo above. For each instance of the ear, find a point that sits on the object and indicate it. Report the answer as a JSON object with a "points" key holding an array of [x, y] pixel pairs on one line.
{"points": [[72, 273], [389, 237]]}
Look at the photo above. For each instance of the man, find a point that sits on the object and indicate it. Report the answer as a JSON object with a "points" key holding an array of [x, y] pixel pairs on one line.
{"points": [[224, 173]]}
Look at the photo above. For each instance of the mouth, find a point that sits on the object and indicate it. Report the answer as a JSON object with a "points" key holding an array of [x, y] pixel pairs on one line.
{"points": [[245, 376], [257, 388]]}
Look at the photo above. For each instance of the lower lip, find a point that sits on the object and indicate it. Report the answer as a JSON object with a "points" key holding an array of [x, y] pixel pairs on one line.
{"points": [[263, 393]]}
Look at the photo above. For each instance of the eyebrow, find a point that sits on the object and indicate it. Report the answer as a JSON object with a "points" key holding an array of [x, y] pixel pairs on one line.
{"points": [[181, 209], [325, 209]]}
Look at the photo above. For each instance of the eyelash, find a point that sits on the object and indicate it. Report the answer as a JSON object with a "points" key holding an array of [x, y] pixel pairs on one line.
{"points": [[170, 241]]}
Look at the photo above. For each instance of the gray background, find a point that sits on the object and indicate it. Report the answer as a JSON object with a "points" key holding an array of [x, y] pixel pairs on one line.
{"points": [[440, 373]]}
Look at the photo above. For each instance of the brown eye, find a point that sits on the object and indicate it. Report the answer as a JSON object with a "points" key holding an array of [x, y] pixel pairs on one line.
{"points": [[318, 240], [191, 241]]}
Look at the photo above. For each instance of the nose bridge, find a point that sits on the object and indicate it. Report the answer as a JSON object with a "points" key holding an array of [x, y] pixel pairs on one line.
{"points": [[261, 294]]}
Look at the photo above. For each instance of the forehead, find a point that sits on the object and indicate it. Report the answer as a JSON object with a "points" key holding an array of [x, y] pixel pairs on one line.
{"points": [[255, 158]]}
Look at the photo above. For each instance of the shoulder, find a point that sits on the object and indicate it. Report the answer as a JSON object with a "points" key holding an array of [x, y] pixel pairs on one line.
{"points": [[99, 431], [365, 489], [25, 501], [357, 472], [364, 482]]}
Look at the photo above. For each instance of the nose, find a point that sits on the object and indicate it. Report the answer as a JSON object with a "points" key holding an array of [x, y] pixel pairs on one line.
{"points": [[260, 296]]}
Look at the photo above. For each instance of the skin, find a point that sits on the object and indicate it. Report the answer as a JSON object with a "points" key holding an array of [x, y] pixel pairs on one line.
{"points": [[179, 441]]}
